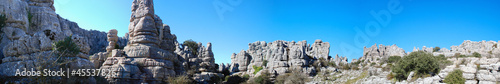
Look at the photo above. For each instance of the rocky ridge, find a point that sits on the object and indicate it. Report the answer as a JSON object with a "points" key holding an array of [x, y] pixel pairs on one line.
{"points": [[476, 70], [280, 57]]}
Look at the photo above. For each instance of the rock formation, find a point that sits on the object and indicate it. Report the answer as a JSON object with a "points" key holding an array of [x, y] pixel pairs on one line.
{"points": [[485, 48], [280, 57], [374, 53], [31, 28], [143, 59]]}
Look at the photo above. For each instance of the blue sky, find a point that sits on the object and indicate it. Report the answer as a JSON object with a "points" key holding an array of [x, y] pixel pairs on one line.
{"points": [[418, 23]]}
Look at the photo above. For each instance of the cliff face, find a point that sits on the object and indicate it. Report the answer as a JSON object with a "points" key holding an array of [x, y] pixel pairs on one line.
{"points": [[31, 28]]}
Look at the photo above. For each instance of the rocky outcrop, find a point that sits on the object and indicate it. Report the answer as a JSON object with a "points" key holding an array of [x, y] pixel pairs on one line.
{"points": [[374, 53], [281, 57], [149, 55], [485, 48], [31, 28]]}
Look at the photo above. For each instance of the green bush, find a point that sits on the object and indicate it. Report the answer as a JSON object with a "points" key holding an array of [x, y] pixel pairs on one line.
{"points": [[66, 46], [264, 63], [436, 49], [3, 18], [66, 51], [421, 62], [262, 79], [29, 16], [193, 46], [257, 69], [475, 54], [455, 77], [393, 59], [246, 76], [184, 79]]}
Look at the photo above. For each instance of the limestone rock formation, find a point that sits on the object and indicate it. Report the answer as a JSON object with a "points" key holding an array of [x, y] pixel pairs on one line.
{"points": [[374, 53], [143, 59], [281, 57], [485, 48], [31, 28], [112, 39]]}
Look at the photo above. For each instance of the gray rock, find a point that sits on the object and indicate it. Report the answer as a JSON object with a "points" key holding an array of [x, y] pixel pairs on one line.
{"points": [[374, 53], [410, 76]]}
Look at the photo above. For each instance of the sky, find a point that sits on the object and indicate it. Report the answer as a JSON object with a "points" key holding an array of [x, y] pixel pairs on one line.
{"points": [[348, 25]]}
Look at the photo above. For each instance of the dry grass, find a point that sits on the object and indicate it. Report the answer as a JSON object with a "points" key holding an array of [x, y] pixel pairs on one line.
{"points": [[363, 75]]}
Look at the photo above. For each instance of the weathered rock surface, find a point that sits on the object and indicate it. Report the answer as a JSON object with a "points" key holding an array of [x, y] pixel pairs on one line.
{"points": [[375, 54], [31, 28], [281, 57]]}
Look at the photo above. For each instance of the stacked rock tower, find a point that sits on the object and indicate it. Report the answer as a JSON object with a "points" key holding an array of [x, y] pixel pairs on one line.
{"points": [[148, 56]]}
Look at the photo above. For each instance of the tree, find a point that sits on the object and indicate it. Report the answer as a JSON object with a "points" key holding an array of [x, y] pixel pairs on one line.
{"points": [[420, 61], [192, 45], [436, 49]]}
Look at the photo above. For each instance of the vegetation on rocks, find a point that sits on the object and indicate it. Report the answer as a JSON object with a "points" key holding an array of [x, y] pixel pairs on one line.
{"points": [[363, 75], [180, 80], [393, 59], [294, 77], [421, 62], [455, 77], [66, 47], [262, 79], [3, 18], [436, 49], [257, 69], [235, 79], [475, 54], [193, 46]]}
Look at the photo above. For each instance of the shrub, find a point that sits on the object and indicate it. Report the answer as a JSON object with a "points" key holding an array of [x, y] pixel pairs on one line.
{"points": [[455, 77], [420, 61], [184, 79], [292, 78], [235, 79], [193, 46], [29, 16], [373, 63], [393, 59], [264, 63], [390, 76], [475, 54], [257, 69], [3, 18], [436, 49], [262, 79], [246, 76], [66, 46]]}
